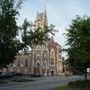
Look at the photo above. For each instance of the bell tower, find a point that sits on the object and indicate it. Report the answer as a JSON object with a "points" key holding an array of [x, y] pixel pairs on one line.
{"points": [[41, 18]]}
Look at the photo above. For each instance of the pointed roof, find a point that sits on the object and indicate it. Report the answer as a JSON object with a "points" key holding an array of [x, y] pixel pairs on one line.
{"points": [[41, 19], [52, 43]]}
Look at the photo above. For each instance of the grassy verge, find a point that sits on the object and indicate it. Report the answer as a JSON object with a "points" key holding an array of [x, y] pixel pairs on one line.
{"points": [[78, 85], [65, 88]]}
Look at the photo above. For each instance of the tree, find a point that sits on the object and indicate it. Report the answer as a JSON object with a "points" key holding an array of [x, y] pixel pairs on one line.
{"points": [[24, 34], [78, 39], [32, 36], [9, 45]]}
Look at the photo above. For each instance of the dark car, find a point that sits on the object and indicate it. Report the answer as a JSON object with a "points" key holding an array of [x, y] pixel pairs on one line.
{"points": [[7, 74]]}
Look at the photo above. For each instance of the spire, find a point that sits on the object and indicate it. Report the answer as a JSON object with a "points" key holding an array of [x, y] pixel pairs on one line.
{"points": [[41, 18], [45, 18]]}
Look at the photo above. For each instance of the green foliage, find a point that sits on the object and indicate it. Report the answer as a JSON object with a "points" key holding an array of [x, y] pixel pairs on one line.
{"points": [[80, 84], [78, 39], [9, 30], [76, 85], [9, 45], [36, 36], [39, 36]]}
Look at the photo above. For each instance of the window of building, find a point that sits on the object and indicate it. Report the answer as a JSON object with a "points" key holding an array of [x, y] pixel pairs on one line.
{"points": [[45, 54], [45, 64], [26, 62], [18, 62], [52, 61]]}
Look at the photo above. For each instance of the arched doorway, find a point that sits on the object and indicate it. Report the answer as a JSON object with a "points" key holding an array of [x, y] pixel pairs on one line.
{"points": [[38, 69], [52, 73]]}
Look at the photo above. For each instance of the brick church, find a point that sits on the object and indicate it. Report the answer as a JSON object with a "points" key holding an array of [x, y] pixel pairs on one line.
{"points": [[42, 59]]}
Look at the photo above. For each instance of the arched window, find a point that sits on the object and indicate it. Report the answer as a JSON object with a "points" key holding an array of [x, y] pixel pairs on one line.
{"points": [[26, 62], [52, 61], [45, 64], [45, 54], [38, 64], [38, 69], [52, 57], [18, 62]]}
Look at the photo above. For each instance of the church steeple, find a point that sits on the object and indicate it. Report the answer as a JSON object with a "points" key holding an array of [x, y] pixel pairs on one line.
{"points": [[41, 18], [45, 14], [45, 18]]}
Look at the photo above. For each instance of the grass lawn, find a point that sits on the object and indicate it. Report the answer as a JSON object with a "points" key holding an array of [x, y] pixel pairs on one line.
{"points": [[65, 88], [78, 85]]}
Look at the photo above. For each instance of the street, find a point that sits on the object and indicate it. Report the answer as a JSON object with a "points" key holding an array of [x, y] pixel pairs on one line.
{"points": [[42, 83]]}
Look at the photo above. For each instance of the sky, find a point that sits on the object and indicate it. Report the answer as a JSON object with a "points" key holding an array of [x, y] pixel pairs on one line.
{"points": [[60, 13]]}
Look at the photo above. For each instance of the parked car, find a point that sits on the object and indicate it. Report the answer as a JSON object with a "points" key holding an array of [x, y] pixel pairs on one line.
{"points": [[7, 74]]}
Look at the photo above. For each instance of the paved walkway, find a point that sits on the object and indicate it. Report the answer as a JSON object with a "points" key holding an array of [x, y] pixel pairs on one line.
{"points": [[42, 83]]}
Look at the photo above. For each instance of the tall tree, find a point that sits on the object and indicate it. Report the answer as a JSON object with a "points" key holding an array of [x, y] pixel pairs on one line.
{"points": [[78, 39], [24, 34], [35, 36], [9, 45]]}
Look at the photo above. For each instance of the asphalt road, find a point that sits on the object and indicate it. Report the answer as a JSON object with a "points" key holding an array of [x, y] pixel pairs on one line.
{"points": [[42, 83]]}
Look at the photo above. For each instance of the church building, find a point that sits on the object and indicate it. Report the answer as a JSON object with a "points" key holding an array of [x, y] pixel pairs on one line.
{"points": [[43, 59]]}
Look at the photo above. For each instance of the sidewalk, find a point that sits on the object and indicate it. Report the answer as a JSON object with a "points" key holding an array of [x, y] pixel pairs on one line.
{"points": [[18, 80]]}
